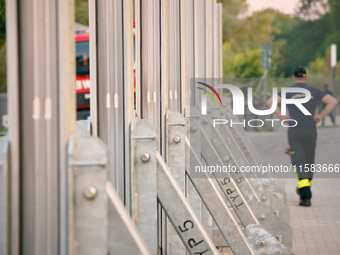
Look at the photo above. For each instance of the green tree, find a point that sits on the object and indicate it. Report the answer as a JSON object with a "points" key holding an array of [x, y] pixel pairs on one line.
{"points": [[2, 21], [231, 10], [82, 12]]}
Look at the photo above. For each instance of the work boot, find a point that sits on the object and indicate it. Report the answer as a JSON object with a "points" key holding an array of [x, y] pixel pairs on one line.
{"points": [[305, 196], [306, 202]]}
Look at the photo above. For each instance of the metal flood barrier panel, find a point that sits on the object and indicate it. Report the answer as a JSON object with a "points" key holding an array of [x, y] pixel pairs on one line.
{"points": [[121, 182]]}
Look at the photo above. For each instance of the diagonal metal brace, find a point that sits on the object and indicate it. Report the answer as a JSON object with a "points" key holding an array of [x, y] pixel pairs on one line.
{"points": [[180, 213]]}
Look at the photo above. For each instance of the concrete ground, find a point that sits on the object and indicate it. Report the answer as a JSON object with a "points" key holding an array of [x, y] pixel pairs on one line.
{"points": [[316, 229]]}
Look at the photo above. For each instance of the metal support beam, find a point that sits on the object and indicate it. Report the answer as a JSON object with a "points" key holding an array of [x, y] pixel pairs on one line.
{"points": [[277, 226], [144, 183], [218, 208], [176, 162], [87, 199], [180, 213], [40, 39], [126, 237], [4, 196], [112, 83]]}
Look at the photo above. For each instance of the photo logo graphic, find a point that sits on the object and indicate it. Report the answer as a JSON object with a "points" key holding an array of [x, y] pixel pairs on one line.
{"points": [[238, 100], [204, 97]]}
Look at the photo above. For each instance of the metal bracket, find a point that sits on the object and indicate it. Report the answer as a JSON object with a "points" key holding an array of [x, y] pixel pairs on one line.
{"points": [[175, 151], [87, 197], [144, 182]]}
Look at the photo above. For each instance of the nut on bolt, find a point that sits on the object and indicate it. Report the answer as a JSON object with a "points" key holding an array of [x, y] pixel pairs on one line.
{"points": [[177, 139], [145, 157], [263, 198], [262, 243], [205, 121], [193, 129], [262, 217], [90, 192], [264, 184]]}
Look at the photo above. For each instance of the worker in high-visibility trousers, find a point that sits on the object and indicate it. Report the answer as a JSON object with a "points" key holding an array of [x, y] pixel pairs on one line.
{"points": [[302, 132]]}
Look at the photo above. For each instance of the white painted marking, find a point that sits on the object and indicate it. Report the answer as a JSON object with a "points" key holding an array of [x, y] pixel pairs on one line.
{"points": [[48, 108], [36, 108], [108, 100]]}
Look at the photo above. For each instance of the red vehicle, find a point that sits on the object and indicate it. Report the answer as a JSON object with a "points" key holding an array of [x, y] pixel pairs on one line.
{"points": [[82, 37], [83, 74]]}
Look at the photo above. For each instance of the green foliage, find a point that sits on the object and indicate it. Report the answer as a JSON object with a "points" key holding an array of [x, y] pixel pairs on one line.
{"points": [[3, 85], [231, 9], [303, 39], [3, 46], [2, 21], [82, 12], [242, 65]]}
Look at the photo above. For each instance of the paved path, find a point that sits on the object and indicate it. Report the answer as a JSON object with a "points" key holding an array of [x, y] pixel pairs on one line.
{"points": [[316, 229]]}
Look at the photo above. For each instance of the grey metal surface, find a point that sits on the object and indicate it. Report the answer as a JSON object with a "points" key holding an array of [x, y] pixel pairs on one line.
{"points": [[194, 135], [200, 44], [92, 7], [3, 113], [180, 213], [87, 198], [264, 183], [176, 130], [266, 217], [149, 44], [12, 58], [41, 93], [245, 210], [264, 243], [218, 208], [114, 85], [4, 196], [82, 127], [227, 183], [174, 55], [144, 183], [210, 38], [218, 41], [127, 239]]}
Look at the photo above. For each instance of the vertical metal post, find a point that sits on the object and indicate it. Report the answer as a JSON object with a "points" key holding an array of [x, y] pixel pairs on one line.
{"points": [[202, 66], [188, 51], [114, 85], [93, 66], [152, 73], [41, 120], [200, 43], [87, 199], [12, 36], [264, 96], [143, 160], [150, 57], [174, 55], [219, 42], [333, 65], [176, 162], [209, 9], [4, 196]]}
